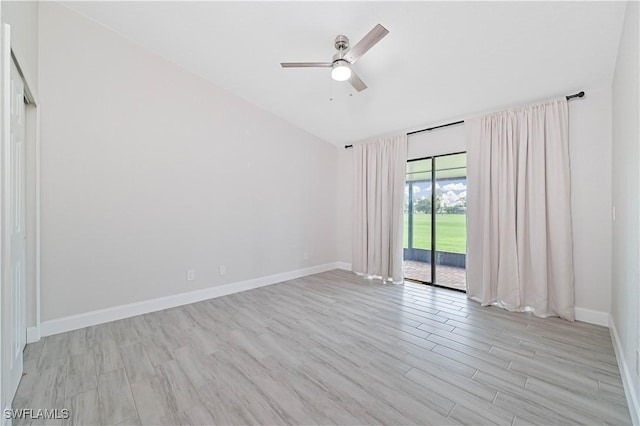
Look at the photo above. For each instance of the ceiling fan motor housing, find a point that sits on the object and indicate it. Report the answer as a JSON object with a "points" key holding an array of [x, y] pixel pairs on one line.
{"points": [[342, 42]]}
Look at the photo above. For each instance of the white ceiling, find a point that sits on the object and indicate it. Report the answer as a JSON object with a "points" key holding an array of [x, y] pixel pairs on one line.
{"points": [[441, 60]]}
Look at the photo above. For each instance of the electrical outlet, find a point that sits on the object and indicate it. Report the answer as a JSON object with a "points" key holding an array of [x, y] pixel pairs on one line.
{"points": [[191, 274], [305, 256], [222, 270]]}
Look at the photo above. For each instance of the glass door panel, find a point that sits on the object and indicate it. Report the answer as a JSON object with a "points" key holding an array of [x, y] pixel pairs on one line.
{"points": [[451, 220], [417, 220]]}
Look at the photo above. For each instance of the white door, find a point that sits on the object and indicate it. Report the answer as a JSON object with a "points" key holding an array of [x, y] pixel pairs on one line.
{"points": [[17, 206]]}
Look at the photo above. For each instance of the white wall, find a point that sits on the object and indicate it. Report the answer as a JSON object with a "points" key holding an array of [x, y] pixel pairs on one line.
{"points": [[344, 205], [590, 156], [590, 140], [625, 304], [148, 171], [445, 140]]}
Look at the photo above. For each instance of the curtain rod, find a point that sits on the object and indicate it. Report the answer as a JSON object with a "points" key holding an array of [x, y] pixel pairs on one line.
{"points": [[569, 97]]}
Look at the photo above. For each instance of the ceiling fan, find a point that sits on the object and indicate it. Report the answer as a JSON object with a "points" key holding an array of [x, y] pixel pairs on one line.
{"points": [[341, 62]]}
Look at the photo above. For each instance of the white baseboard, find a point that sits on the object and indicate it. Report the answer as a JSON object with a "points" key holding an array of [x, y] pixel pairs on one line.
{"points": [[592, 317], [633, 399], [87, 319], [343, 265]]}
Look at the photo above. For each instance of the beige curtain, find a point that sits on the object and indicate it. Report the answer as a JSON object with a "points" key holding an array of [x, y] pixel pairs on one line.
{"points": [[379, 178], [520, 253]]}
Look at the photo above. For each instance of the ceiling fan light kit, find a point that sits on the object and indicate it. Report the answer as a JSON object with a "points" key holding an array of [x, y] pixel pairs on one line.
{"points": [[341, 62], [341, 70]]}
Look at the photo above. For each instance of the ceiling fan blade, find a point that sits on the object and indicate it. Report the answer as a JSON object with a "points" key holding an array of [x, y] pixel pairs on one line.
{"points": [[356, 82], [360, 48], [306, 64]]}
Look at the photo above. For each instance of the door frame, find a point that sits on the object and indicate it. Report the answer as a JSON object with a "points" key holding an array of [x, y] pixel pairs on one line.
{"points": [[32, 124], [433, 218]]}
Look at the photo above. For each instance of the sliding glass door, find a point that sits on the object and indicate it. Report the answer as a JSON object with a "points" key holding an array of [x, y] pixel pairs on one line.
{"points": [[435, 221]]}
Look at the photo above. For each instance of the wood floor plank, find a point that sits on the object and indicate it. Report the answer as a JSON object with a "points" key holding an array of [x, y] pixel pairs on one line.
{"points": [[116, 400], [32, 354], [579, 401], [81, 374], [197, 415], [153, 404], [553, 373], [42, 389], [472, 357], [136, 362], [54, 352], [463, 415], [177, 386], [459, 389], [84, 409], [107, 356], [409, 405]]}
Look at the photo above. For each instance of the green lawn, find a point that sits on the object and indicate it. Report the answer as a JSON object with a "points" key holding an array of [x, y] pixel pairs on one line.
{"points": [[451, 232]]}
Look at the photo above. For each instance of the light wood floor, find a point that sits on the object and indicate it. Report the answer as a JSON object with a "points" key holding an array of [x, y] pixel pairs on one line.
{"points": [[330, 349]]}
